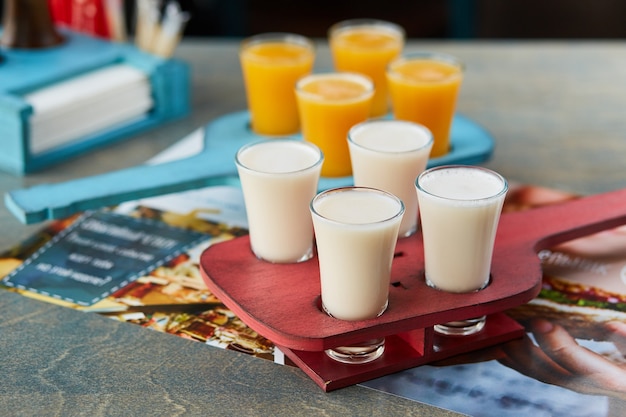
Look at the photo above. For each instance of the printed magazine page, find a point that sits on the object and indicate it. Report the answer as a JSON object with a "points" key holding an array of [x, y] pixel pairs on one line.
{"points": [[571, 363], [171, 297]]}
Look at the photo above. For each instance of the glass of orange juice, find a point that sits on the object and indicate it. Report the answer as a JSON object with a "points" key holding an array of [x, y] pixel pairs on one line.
{"points": [[367, 46], [329, 105], [271, 64], [424, 88]]}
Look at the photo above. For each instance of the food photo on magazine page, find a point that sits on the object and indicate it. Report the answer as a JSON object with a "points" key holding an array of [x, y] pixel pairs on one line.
{"points": [[167, 295], [571, 361]]}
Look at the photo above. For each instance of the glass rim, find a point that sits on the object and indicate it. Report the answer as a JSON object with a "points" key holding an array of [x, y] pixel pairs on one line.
{"points": [[272, 141], [426, 55], [346, 75], [503, 190], [409, 123], [354, 188], [287, 37], [366, 22]]}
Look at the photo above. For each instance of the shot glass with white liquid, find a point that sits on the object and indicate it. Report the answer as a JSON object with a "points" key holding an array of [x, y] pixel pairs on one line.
{"points": [[460, 208], [279, 178], [356, 229], [389, 155]]}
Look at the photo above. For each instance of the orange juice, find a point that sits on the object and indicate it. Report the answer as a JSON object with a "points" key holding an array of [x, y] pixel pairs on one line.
{"points": [[271, 65], [424, 89], [329, 105], [367, 46]]}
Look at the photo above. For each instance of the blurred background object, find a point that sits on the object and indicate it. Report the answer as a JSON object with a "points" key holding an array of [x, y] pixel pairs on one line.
{"points": [[523, 19], [28, 24]]}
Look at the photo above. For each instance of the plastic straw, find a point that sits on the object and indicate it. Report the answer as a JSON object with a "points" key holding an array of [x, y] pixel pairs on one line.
{"points": [[170, 31]]}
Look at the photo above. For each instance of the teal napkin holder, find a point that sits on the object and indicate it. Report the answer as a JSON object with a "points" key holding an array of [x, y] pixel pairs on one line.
{"points": [[26, 70]]}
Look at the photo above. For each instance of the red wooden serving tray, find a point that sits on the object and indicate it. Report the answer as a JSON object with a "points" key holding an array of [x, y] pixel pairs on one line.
{"points": [[281, 301]]}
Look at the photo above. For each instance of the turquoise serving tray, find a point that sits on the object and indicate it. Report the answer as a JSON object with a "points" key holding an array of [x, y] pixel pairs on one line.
{"points": [[214, 165]]}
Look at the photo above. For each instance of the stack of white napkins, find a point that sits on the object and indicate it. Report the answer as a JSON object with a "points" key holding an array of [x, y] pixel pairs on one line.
{"points": [[83, 105]]}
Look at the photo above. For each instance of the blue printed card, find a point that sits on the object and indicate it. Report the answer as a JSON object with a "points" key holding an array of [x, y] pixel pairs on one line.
{"points": [[98, 254]]}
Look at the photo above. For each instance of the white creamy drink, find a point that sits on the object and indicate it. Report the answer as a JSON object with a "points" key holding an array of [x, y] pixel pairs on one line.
{"points": [[459, 207], [389, 155], [356, 231], [279, 178]]}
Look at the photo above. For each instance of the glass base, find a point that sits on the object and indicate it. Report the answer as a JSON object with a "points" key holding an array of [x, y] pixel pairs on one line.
{"points": [[408, 233], [359, 353], [308, 255], [462, 327]]}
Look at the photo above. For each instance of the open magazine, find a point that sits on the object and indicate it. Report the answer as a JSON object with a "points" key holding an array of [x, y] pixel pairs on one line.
{"points": [[571, 363], [171, 297]]}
